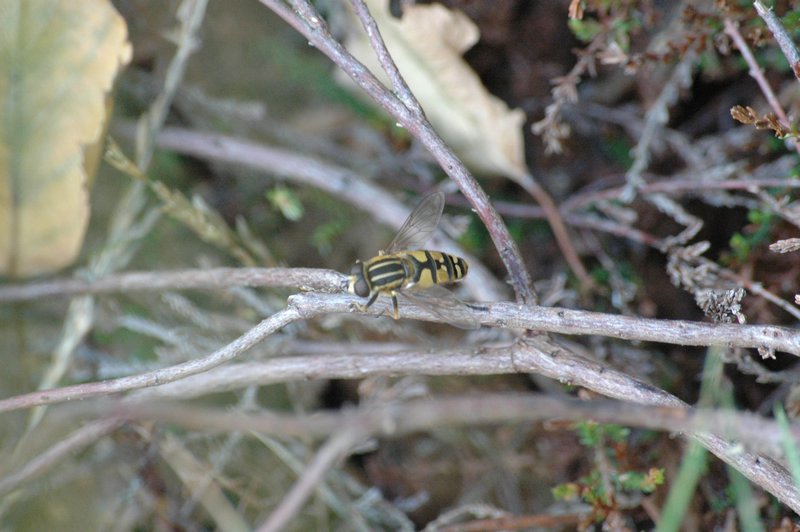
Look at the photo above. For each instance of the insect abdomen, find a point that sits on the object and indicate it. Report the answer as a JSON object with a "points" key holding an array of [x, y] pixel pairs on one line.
{"points": [[435, 267]]}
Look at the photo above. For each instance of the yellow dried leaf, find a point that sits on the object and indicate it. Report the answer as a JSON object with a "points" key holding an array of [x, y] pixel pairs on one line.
{"points": [[427, 44], [58, 60]]}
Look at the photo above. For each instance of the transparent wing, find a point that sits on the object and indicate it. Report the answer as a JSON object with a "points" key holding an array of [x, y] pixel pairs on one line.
{"points": [[443, 304], [419, 225]]}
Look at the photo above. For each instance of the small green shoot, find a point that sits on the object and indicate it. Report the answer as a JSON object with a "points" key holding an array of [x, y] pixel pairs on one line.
{"points": [[593, 488], [286, 201]]}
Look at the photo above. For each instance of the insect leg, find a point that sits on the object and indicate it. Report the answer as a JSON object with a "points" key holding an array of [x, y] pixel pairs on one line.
{"points": [[363, 308], [394, 305], [371, 300]]}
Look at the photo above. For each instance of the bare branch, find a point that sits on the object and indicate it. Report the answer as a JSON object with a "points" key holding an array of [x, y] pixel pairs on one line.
{"points": [[568, 321], [504, 315], [160, 376], [338, 447], [72, 444], [548, 359], [308, 278], [556, 221], [395, 420], [756, 72], [781, 36], [469, 360], [399, 85], [473, 360]]}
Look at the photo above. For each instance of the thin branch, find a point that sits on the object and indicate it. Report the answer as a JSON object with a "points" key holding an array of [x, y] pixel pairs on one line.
{"points": [[502, 315], [160, 376], [396, 420], [756, 73], [469, 360], [526, 181], [312, 27], [308, 278], [399, 85], [656, 117], [191, 18], [463, 360], [550, 360], [556, 221], [781, 36], [568, 321], [72, 444], [537, 356], [339, 446]]}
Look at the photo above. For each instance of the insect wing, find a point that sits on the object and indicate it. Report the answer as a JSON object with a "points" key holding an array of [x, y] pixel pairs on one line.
{"points": [[419, 225], [443, 304]]}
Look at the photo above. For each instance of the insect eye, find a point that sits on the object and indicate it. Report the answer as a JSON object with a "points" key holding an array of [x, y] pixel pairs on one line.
{"points": [[360, 287], [357, 269]]}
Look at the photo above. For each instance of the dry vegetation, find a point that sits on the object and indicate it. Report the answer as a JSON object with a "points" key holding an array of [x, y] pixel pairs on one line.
{"points": [[634, 264]]}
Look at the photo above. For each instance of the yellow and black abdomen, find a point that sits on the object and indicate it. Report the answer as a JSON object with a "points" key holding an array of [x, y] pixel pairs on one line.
{"points": [[428, 268]]}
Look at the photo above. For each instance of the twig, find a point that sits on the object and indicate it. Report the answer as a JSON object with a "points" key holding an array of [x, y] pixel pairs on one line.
{"points": [[160, 376], [466, 360], [504, 315], [396, 420], [568, 321], [399, 85], [781, 36], [678, 186], [556, 221], [313, 28], [308, 278], [469, 360], [339, 446], [552, 361], [756, 73], [656, 117], [74, 443], [191, 17]]}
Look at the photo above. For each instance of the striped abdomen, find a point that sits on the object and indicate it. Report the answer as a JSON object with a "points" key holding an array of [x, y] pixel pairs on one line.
{"points": [[428, 268]]}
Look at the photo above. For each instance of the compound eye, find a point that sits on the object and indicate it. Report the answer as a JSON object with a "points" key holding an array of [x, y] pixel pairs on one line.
{"points": [[360, 287], [357, 269]]}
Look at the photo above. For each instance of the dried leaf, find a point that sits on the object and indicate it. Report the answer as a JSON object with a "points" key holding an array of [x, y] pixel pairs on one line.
{"points": [[722, 306], [748, 115], [427, 44], [58, 60]]}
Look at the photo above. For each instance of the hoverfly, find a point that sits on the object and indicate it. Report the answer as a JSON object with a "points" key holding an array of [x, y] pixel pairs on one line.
{"points": [[416, 274]]}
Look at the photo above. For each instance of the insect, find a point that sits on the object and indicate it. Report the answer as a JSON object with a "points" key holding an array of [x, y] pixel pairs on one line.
{"points": [[402, 269]]}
